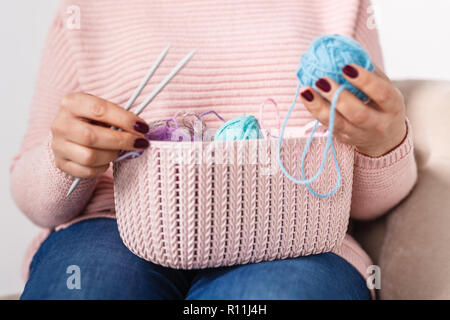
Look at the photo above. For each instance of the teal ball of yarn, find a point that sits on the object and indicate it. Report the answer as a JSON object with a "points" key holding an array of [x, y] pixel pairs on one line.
{"points": [[326, 57], [241, 128]]}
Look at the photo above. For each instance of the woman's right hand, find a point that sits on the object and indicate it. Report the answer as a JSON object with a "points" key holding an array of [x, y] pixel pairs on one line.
{"points": [[83, 143]]}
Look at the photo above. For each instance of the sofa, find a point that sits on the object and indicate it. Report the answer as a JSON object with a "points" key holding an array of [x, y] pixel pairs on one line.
{"points": [[411, 243]]}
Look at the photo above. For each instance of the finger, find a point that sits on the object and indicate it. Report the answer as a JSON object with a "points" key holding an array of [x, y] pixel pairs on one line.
{"points": [[320, 110], [79, 171], [99, 110], [97, 137], [348, 105], [83, 155], [378, 87], [379, 72]]}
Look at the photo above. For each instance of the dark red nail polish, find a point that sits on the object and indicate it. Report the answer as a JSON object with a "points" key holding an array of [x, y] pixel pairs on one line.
{"points": [[307, 94], [141, 143], [323, 85], [350, 71], [141, 127]]}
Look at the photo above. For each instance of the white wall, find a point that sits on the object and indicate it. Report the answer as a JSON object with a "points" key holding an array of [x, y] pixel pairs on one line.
{"points": [[23, 27], [414, 34]]}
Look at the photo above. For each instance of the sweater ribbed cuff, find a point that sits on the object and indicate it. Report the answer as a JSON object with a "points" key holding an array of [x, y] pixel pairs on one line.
{"points": [[64, 179], [394, 156]]}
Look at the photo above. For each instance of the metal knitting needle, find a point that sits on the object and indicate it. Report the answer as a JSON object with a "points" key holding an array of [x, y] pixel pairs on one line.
{"points": [[150, 98], [163, 83], [147, 77], [132, 99], [144, 81]]}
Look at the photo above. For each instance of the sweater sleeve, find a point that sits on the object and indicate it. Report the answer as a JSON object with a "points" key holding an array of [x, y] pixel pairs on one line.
{"points": [[38, 187], [380, 183]]}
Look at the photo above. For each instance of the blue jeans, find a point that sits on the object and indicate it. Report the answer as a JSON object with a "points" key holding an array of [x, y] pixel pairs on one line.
{"points": [[106, 269]]}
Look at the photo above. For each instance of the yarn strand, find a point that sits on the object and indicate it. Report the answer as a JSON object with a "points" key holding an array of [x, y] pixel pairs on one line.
{"points": [[329, 144], [326, 56]]}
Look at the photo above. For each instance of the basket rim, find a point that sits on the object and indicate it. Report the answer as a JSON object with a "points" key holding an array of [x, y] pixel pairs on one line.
{"points": [[250, 141]]}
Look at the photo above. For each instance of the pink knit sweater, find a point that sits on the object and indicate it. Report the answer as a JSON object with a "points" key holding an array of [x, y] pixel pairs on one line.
{"points": [[247, 51]]}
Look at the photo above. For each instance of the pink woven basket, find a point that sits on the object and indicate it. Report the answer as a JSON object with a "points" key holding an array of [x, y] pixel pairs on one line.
{"points": [[191, 205]]}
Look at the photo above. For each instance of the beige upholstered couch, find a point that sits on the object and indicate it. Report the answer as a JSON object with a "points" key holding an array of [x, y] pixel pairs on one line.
{"points": [[411, 244]]}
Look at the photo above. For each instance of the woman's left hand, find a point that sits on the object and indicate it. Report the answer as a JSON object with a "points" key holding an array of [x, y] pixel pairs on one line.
{"points": [[374, 128]]}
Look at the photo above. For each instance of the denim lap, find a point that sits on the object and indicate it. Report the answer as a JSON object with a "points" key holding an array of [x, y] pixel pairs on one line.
{"points": [[108, 270], [319, 277]]}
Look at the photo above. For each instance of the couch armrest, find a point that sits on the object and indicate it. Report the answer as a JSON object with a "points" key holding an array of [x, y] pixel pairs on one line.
{"points": [[411, 244]]}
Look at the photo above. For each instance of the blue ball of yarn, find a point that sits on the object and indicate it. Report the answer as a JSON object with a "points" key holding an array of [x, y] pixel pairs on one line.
{"points": [[326, 57], [240, 128]]}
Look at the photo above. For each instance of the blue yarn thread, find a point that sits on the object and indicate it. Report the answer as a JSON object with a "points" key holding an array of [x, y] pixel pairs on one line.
{"points": [[326, 57], [240, 128]]}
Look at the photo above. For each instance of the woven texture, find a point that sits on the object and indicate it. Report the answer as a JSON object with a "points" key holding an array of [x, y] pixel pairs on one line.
{"points": [[209, 204]]}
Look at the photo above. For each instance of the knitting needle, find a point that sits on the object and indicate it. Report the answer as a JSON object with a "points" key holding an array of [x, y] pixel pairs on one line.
{"points": [[147, 77], [145, 80], [150, 98], [163, 83], [132, 99]]}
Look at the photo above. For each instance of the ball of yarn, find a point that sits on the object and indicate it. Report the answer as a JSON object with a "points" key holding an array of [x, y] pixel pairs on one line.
{"points": [[188, 119], [241, 128], [326, 57], [166, 132], [160, 130]]}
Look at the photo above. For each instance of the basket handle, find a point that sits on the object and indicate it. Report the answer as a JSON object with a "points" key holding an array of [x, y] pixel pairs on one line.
{"points": [[261, 107]]}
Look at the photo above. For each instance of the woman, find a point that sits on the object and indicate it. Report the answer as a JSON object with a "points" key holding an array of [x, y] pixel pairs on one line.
{"points": [[247, 51]]}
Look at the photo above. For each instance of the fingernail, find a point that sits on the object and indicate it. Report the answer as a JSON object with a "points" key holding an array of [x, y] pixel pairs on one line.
{"points": [[141, 127], [141, 143], [307, 94], [350, 71], [323, 85]]}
